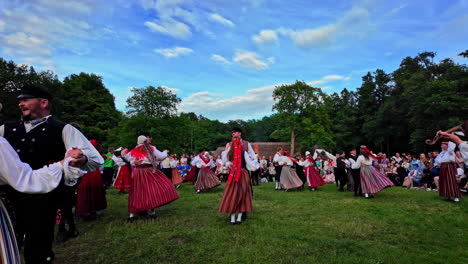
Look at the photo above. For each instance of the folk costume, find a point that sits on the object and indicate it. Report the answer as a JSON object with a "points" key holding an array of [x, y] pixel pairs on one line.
{"points": [[38, 143], [289, 179], [206, 178], [278, 169], [448, 186], [313, 177], [372, 180], [91, 194], [356, 174], [124, 174], [237, 196], [193, 172], [150, 187], [176, 178], [23, 179]]}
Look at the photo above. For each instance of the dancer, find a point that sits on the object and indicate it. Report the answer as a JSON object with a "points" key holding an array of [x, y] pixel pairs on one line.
{"points": [[124, 173], [355, 172], [176, 178], [372, 180], [448, 186], [289, 179], [313, 177], [150, 187], [278, 167], [237, 196], [206, 178]]}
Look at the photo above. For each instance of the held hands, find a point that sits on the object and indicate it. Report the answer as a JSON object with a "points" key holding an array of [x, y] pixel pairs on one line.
{"points": [[79, 159], [138, 162]]}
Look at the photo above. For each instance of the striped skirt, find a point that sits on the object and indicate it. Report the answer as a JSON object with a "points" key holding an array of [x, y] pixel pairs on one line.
{"points": [[206, 179], [289, 178], [313, 178], [372, 180], [448, 186], [176, 178], [237, 196], [8, 248], [149, 190], [123, 180], [192, 175]]}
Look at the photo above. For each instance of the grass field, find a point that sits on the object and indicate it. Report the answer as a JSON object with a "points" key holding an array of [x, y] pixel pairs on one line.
{"points": [[398, 226]]}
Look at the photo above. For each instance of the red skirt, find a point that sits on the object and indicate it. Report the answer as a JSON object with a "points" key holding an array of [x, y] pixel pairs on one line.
{"points": [[313, 178], [206, 179], [191, 175], [176, 179], [91, 195], [149, 190], [448, 185], [237, 196], [123, 180]]}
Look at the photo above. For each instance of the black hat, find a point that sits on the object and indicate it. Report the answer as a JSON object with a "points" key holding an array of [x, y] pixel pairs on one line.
{"points": [[236, 129], [34, 91]]}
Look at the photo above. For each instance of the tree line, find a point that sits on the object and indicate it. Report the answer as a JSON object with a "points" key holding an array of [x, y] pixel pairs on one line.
{"points": [[389, 112]]}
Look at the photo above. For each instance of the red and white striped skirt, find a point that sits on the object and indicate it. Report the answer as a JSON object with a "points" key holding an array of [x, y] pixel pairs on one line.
{"points": [[372, 180], [206, 179], [149, 190]]}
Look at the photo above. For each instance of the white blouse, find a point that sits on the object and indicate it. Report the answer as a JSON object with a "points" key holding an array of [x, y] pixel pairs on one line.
{"points": [[158, 154], [446, 156], [362, 160]]}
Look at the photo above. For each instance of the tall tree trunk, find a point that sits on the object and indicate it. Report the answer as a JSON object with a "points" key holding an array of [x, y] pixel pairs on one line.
{"points": [[293, 138]]}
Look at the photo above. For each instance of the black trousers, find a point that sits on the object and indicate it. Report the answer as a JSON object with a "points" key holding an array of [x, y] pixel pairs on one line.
{"points": [[254, 177], [35, 222], [66, 202], [107, 175], [357, 181], [278, 173], [341, 177], [168, 173]]}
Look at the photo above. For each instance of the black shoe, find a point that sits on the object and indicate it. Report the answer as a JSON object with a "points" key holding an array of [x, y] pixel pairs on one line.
{"points": [[341, 190], [233, 223], [131, 219], [238, 222]]}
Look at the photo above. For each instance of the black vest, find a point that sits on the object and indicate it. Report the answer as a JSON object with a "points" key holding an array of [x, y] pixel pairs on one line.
{"points": [[41, 146]]}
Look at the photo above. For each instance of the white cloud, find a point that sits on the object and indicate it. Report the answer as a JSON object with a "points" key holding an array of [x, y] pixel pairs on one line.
{"points": [[173, 90], [65, 6], [251, 60], [354, 23], [266, 36], [174, 52], [2, 25], [253, 103], [170, 27], [219, 59], [218, 18], [21, 43]]}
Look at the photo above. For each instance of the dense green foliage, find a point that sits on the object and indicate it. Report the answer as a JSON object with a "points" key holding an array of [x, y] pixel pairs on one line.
{"points": [[389, 112], [326, 226]]}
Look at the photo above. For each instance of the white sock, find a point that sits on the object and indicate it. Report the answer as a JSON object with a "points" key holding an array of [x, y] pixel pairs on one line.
{"points": [[456, 199], [131, 215], [233, 218], [366, 195], [239, 217]]}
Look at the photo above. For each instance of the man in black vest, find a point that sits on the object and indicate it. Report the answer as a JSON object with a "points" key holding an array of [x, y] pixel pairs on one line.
{"points": [[39, 140], [340, 170]]}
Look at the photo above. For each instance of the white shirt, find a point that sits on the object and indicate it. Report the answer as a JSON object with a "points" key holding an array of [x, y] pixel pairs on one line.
{"points": [[285, 159], [199, 163], [251, 163], [21, 177], [464, 151], [276, 158], [362, 160], [72, 137], [446, 156], [158, 154], [354, 164]]}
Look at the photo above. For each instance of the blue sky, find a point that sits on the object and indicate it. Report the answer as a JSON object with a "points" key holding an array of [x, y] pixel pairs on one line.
{"points": [[224, 57]]}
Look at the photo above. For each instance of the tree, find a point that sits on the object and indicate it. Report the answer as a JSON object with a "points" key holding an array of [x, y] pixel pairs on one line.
{"points": [[151, 101], [292, 100]]}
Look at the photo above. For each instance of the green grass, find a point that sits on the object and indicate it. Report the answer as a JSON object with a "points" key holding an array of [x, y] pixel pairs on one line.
{"points": [[398, 226]]}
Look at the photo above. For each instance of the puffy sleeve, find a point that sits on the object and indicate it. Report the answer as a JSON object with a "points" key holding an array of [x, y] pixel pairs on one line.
{"points": [[464, 151], [158, 154], [72, 137], [21, 177]]}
